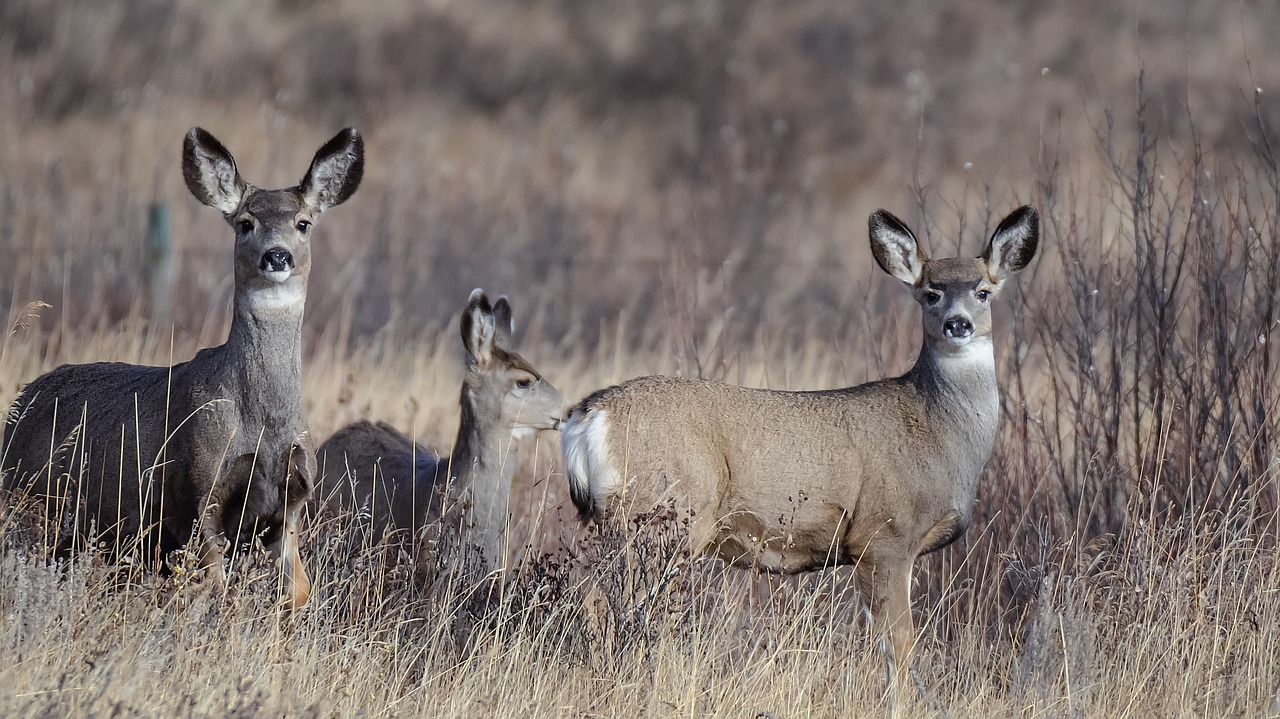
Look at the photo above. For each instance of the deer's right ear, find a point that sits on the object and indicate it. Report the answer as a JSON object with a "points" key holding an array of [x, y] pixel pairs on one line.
{"points": [[478, 328], [895, 248], [336, 171], [210, 172]]}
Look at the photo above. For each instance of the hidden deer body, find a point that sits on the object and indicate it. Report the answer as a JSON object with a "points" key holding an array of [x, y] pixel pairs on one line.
{"points": [[145, 458], [872, 475], [404, 486]]}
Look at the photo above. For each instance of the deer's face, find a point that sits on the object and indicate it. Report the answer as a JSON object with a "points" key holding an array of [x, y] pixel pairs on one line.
{"points": [[501, 385], [273, 227], [513, 390], [273, 247], [956, 295], [955, 292]]}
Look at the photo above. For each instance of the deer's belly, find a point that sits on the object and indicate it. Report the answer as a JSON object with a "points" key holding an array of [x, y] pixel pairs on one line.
{"points": [[743, 540]]}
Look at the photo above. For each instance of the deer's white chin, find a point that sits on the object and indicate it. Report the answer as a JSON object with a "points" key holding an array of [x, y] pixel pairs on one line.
{"points": [[278, 295], [969, 349], [278, 276], [526, 430]]}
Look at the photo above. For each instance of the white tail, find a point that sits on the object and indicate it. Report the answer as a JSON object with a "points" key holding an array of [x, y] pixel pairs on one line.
{"points": [[872, 475], [146, 454], [405, 486]]}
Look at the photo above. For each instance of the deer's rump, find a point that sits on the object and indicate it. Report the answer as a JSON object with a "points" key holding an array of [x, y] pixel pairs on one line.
{"points": [[87, 441]]}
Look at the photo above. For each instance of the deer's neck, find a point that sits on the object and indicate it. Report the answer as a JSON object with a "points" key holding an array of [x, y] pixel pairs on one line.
{"points": [[483, 463], [960, 386], [263, 356]]}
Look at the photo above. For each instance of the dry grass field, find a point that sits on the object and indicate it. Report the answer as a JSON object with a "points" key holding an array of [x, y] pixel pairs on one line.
{"points": [[680, 187]]}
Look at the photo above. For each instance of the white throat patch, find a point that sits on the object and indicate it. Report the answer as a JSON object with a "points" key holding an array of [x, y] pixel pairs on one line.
{"points": [[979, 350], [277, 296]]}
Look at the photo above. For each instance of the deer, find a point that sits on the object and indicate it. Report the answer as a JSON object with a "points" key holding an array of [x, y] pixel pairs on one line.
{"points": [[406, 487], [212, 452], [873, 475]]}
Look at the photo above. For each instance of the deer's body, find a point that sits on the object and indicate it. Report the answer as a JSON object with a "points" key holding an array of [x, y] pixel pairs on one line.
{"points": [[872, 475], [142, 456], [101, 463], [377, 465], [405, 486]]}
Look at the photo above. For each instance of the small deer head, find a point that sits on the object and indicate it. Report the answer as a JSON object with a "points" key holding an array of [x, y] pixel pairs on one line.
{"points": [[955, 292], [273, 227], [499, 382]]}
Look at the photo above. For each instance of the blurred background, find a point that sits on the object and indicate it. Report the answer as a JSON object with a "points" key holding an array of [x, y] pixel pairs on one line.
{"points": [[638, 166], [683, 187]]}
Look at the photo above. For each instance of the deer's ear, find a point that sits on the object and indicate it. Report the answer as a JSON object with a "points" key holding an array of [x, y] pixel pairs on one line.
{"points": [[478, 329], [210, 172], [1013, 244], [895, 248], [335, 173], [505, 325]]}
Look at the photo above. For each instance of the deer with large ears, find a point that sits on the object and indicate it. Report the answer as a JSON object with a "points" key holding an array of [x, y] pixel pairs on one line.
{"points": [[873, 475], [404, 486], [141, 457]]}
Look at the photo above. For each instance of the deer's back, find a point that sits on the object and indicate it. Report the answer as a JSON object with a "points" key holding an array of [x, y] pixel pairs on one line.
{"points": [[107, 405], [375, 466]]}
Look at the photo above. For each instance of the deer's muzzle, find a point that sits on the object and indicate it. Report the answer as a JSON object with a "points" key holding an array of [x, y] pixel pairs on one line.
{"points": [[958, 327], [276, 259]]}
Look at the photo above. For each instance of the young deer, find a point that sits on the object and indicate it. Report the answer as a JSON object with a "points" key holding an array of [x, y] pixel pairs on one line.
{"points": [[873, 475], [142, 455], [407, 487]]}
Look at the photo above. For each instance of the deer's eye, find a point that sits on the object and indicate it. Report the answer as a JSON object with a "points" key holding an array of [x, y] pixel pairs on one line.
{"points": [[982, 295], [524, 382], [304, 226], [932, 297], [244, 227]]}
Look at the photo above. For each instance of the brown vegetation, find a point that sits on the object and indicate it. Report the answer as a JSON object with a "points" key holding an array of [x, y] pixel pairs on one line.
{"points": [[682, 188]]}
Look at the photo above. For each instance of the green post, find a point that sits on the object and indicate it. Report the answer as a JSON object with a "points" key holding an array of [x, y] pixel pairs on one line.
{"points": [[160, 264]]}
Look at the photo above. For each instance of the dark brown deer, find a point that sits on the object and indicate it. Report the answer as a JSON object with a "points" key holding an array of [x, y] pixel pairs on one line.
{"points": [[140, 457], [405, 486]]}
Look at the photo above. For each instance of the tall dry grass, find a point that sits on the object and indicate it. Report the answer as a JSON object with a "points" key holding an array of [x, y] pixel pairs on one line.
{"points": [[621, 172], [1123, 561]]}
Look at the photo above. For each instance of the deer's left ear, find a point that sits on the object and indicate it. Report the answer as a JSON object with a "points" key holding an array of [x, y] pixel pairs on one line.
{"points": [[335, 172], [505, 324], [1013, 244]]}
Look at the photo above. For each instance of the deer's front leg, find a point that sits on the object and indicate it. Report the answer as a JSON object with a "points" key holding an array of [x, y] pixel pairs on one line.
{"points": [[213, 541], [297, 488], [297, 585]]}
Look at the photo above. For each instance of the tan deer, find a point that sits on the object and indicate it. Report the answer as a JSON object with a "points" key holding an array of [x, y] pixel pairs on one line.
{"points": [[873, 475], [405, 486], [143, 456]]}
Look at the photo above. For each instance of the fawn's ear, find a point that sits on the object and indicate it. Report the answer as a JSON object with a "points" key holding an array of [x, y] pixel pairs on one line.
{"points": [[335, 173], [895, 248], [505, 325], [478, 329], [1013, 244], [210, 172]]}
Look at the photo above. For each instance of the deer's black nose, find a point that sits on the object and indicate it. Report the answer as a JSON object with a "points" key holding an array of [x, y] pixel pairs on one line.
{"points": [[276, 260], [958, 327]]}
